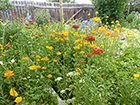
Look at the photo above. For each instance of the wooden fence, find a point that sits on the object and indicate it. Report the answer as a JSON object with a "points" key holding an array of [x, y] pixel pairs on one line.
{"points": [[75, 11]]}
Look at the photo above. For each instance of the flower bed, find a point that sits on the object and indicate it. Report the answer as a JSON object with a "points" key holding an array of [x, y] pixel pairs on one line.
{"points": [[82, 64]]}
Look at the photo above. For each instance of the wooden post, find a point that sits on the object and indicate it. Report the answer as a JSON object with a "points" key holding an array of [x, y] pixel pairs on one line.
{"points": [[61, 11]]}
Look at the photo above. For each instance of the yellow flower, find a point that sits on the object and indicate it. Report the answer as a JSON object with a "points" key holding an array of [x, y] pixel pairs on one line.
{"points": [[49, 76], [116, 34], [71, 31], [109, 45], [97, 12], [78, 69], [43, 67], [123, 28], [70, 23], [89, 14], [106, 22], [112, 22], [129, 33], [116, 30], [83, 36], [108, 33], [84, 43], [8, 74], [37, 56], [10, 36], [118, 24], [37, 60], [102, 46], [32, 67], [93, 32], [67, 39], [0, 45], [13, 92], [112, 25], [37, 66], [112, 38], [121, 33], [18, 99], [82, 52], [55, 60], [58, 53], [74, 55], [25, 58], [107, 16], [33, 33], [28, 37], [136, 75], [69, 48], [115, 38], [46, 27], [117, 21]]}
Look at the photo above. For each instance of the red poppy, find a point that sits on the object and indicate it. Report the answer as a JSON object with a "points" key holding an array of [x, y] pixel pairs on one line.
{"points": [[32, 23], [26, 24], [30, 20], [90, 38], [75, 26], [7, 45], [37, 37], [44, 16], [89, 54], [40, 34], [43, 21], [97, 51], [81, 61]]}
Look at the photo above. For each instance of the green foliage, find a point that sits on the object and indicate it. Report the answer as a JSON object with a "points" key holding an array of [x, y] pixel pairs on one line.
{"points": [[130, 17], [5, 5], [112, 8], [40, 16]]}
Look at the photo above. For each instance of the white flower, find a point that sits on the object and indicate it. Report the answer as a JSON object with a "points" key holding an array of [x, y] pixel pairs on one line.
{"points": [[73, 73], [62, 91], [80, 81], [58, 79], [1, 63], [12, 61]]}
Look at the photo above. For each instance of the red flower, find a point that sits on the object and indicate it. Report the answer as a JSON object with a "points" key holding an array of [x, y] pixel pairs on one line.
{"points": [[130, 20], [40, 34], [44, 16], [75, 26], [43, 21], [89, 54], [30, 21], [26, 27], [12, 11], [7, 45], [138, 16], [97, 51], [29, 27], [26, 24], [90, 38], [81, 61], [37, 37]]}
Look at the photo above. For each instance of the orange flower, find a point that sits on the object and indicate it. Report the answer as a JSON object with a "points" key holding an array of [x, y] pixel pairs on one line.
{"points": [[100, 77], [49, 76], [55, 60], [7, 45], [78, 69], [25, 58], [8, 74]]}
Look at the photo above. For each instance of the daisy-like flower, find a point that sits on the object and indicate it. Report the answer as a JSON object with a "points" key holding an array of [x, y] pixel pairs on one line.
{"points": [[8, 74], [13, 92], [18, 99]]}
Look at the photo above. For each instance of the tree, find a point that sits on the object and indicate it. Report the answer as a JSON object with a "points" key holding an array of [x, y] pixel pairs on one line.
{"points": [[64, 1], [5, 5], [112, 8]]}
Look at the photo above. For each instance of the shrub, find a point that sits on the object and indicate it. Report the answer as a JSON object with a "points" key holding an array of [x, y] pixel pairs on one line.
{"points": [[41, 16], [113, 8]]}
